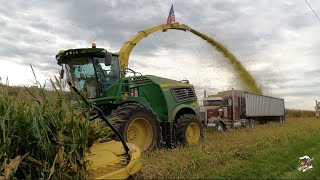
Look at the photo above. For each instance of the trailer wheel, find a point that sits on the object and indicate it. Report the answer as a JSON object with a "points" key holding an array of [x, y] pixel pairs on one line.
{"points": [[188, 130], [251, 123], [281, 119], [138, 125], [219, 126]]}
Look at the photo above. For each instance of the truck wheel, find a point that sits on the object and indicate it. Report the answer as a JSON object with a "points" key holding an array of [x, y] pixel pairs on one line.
{"points": [[281, 120], [188, 130], [138, 125], [220, 127], [251, 123]]}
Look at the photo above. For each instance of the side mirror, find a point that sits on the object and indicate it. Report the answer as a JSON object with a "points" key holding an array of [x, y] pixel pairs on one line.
{"points": [[61, 73], [108, 59]]}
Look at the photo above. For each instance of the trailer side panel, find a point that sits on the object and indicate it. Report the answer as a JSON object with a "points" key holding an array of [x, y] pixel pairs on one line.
{"points": [[260, 105]]}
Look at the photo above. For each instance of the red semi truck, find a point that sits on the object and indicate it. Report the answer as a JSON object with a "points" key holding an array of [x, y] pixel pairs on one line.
{"points": [[236, 108]]}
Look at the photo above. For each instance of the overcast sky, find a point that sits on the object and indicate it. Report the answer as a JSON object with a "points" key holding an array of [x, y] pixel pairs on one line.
{"points": [[277, 41]]}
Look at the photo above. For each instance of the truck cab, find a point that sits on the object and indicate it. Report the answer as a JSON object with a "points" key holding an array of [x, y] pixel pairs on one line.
{"points": [[214, 108], [223, 110]]}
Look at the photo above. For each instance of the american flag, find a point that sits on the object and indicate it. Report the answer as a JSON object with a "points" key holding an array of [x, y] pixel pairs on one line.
{"points": [[171, 17]]}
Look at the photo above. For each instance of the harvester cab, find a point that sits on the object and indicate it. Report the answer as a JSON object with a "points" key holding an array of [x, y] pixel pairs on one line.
{"points": [[92, 70]]}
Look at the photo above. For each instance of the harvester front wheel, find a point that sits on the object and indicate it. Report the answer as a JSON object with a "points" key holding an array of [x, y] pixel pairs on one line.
{"points": [[138, 125], [188, 130]]}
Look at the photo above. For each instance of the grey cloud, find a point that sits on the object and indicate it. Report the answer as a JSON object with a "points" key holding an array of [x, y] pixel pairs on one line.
{"points": [[314, 73]]}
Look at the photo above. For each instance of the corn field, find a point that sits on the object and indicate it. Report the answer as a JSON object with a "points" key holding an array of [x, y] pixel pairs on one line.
{"points": [[42, 135], [299, 113]]}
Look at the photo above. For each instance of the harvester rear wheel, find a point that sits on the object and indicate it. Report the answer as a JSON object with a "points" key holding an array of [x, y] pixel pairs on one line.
{"points": [[188, 130], [138, 125]]}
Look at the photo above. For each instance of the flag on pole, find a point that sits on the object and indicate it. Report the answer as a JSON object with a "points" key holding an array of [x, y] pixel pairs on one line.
{"points": [[171, 17]]}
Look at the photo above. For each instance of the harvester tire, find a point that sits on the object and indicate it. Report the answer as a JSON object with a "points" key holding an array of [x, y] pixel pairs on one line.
{"points": [[138, 125], [188, 130]]}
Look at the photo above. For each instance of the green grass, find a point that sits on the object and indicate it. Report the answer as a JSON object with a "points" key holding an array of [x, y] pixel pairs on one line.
{"points": [[262, 152]]}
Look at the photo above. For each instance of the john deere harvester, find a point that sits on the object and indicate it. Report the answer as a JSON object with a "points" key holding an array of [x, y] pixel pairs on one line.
{"points": [[149, 111]]}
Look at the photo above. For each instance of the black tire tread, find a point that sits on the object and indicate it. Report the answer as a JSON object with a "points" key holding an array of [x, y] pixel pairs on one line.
{"points": [[123, 113], [181, 126]]}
